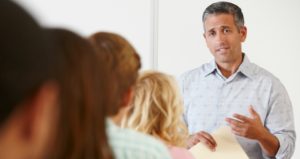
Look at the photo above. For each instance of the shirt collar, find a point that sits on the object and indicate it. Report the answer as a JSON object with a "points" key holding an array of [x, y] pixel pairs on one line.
{"points": [[245, 68], [212, 67], [110, 125]]}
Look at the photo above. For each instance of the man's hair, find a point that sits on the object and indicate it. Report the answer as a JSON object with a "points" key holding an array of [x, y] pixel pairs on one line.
{"points": [[158, 108], [123, 60], [26, 57], [225, 8]]}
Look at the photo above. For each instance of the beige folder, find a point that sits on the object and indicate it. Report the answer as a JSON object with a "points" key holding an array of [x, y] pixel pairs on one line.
{"points": [[227, 147]]}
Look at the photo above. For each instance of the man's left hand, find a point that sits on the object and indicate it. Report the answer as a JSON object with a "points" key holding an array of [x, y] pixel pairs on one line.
{"points": [[251, 128]]}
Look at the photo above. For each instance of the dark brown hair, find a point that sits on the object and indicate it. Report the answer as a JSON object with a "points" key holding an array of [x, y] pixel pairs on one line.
{"points": [[84, 94], [27, 60]]}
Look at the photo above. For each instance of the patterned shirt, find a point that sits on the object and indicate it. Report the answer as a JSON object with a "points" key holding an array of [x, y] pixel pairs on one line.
{"points": [[129, 144], [209, 98]]}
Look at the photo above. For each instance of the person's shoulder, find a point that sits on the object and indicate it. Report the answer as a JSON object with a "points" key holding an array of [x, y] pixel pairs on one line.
{"points": [[179, 152], [137, 143], [262, 73], [197, 72], [140, 137]]}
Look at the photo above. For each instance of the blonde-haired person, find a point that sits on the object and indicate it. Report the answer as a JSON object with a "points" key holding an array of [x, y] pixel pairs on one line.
{"points": [[157, 110]]}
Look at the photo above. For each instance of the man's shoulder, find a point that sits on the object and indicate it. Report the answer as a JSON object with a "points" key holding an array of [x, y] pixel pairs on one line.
{"points": [[263, 74], [197, 72]]}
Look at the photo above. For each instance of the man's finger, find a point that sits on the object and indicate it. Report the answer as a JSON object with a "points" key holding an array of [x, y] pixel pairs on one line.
{"points": [[253, 113], [241, 117], [234, 122]]}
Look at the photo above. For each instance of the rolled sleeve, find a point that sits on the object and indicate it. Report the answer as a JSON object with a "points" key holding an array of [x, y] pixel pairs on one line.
{"points": [[281, 122], [286, 145]]}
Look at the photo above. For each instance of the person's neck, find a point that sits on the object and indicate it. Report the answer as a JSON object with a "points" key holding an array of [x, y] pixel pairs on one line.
{"points": [[227, 69], [117, 119]]}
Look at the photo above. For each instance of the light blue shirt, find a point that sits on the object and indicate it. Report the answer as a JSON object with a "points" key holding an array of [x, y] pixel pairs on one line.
{"points": [[209, 98], [129, 144]]}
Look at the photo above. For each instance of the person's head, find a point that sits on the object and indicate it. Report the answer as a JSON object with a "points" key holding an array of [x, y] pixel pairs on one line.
{"points": [[157, 109], [124, 63], [28, 84], [224, 31], [84, 95]]}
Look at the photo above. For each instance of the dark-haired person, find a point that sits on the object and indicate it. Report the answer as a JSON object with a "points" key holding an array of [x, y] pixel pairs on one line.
{"points": [[124, 64], [85, 92], [230, 90], [28, 85]]}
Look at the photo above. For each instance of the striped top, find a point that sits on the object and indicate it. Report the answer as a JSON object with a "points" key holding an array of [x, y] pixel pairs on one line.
{"points": [[130, 144]]}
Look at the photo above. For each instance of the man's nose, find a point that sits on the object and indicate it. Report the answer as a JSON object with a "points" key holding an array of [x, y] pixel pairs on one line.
{"points": [[220, 37]]}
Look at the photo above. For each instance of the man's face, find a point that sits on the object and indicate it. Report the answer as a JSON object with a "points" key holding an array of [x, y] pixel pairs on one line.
{"points": [[223, 38]]}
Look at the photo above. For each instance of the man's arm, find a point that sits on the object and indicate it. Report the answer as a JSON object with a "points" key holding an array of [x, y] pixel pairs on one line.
{"points": [[253, 128]]}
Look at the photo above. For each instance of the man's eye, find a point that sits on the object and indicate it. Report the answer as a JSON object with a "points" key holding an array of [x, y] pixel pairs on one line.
{"points": [[226, 30], [212, 33]]}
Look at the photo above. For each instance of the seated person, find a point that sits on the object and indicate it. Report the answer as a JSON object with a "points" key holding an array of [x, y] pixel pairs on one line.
{"points": [[157, 110], [28, 85], [124, 63], [84, 93]]}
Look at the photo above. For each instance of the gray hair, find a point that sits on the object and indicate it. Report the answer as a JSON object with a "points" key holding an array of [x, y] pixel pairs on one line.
{"points": [[225, 8]]}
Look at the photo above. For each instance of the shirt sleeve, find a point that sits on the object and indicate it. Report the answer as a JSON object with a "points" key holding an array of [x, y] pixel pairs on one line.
{"points": [[280, 120], [180, 81]]}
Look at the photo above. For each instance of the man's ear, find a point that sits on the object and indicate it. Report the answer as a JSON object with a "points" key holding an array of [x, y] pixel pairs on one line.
{"points": [[40, 117], [127, 97], [243, 32], [204, 36]]}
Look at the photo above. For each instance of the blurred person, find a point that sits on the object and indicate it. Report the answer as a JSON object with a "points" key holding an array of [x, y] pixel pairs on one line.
{"points": [[28, 85], [84, 95], [157, 110], [124, 63]]}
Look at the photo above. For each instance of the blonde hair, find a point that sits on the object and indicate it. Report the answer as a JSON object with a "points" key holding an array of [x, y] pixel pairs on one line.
{"points": [[157, 109]]}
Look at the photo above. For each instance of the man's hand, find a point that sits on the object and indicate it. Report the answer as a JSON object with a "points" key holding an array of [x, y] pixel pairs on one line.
{"points": [[204, 138], [253, 128]]}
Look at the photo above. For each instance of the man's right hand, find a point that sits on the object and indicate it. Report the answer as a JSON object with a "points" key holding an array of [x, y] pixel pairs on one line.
{"points": [[204, 138]]}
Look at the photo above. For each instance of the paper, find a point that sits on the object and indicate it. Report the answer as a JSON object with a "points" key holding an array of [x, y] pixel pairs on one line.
{"points": [[227, 147]]}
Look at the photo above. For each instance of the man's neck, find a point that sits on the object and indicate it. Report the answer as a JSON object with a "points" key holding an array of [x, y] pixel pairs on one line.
{"points": [[227, 69]]}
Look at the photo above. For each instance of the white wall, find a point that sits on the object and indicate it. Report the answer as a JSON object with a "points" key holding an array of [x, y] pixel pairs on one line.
{"points": [[177, 44], [133, 19], [272, 42]]}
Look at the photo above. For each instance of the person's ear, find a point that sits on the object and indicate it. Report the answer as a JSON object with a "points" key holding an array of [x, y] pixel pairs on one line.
{"points": [[243, 32], [204, 36], [127, 97], [40, 117]]}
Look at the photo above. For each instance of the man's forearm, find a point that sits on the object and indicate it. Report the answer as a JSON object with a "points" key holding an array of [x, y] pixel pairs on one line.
{"points": [[269, 143]]}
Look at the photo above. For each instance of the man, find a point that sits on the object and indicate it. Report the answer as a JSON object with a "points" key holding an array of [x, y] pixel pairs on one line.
{"points": [[124, 63], [233, 91], [28, 88]]}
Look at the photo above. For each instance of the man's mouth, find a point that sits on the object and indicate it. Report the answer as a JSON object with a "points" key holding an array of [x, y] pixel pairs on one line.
{"points": [[222, 49]]}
